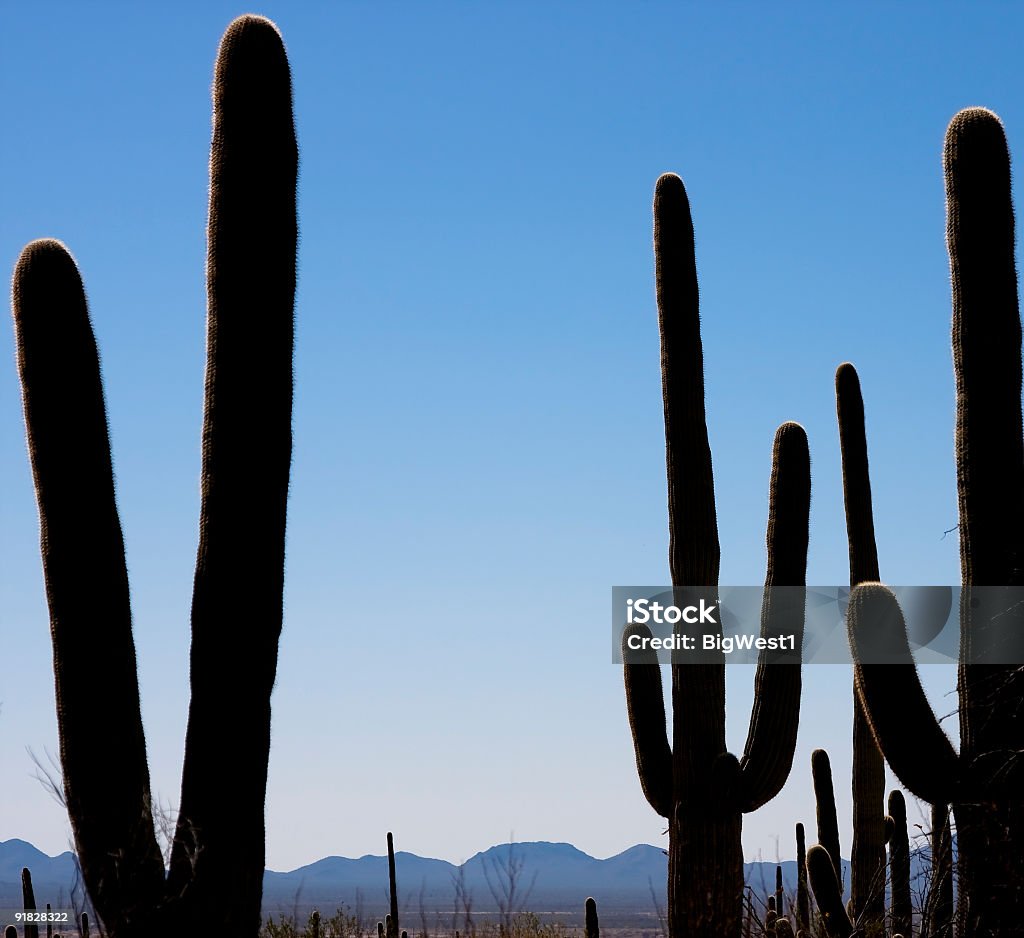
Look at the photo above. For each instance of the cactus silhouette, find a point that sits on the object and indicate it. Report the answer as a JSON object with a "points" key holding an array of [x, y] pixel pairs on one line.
{"points": [[938, 910], [392, 889], [803, 902], [827, 894], [900, 912], [592, 928], [695, 783], [867, 855], [217, 860], [982, 782], [28, 901], [825, 808]]}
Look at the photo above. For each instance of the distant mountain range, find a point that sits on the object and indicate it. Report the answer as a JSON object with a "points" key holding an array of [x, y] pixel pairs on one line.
{"points": [[551, 879]]}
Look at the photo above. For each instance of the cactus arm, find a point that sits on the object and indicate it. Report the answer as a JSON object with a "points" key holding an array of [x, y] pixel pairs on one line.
{"points": [[827, 894], [86, 583], [771, 737], [860, 524], [825, 807], [645, 706], [237, 597], [902, 722], [694, 552]]}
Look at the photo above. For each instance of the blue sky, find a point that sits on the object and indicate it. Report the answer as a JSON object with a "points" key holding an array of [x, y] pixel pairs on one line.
{"points": [[479, 450]]}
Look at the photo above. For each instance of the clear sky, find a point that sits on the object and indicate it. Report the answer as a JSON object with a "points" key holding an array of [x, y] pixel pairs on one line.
{"points": [[479, 450]]}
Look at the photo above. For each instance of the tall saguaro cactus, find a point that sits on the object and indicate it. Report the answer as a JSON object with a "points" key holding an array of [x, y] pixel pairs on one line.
{"points": [[695, 783], [217, 861], [867, 857], [983, 780]]}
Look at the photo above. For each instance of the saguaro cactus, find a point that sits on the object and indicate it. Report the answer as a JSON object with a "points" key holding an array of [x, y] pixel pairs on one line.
{"points": [[803, 902], [900, 911], [592, 928], [938, 909], [867, 855], [827, 893], [695, 783], [392, 889], [983, 781], [217, 861]]}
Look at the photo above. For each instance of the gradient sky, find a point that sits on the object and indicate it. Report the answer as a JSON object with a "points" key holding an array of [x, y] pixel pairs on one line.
{"points": [[479, 450]]}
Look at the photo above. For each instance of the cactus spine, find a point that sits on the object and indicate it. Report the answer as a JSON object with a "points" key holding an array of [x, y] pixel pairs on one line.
{"points": [[217, 860], [983, 781], [695, 783]]}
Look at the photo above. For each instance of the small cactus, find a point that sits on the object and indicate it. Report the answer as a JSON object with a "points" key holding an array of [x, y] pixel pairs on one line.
{"points": [[825, 884], [392, 919], [825, 799], [592, 928], [899, 863], [28, 899], [803, 901]]}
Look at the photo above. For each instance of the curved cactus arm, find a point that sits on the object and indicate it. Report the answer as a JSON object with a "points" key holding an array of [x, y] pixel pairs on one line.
{"points": [[825, 808], [237, 597], [106, 778], [771, 737], [826, 891], [913, 743], [645, 706]]}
